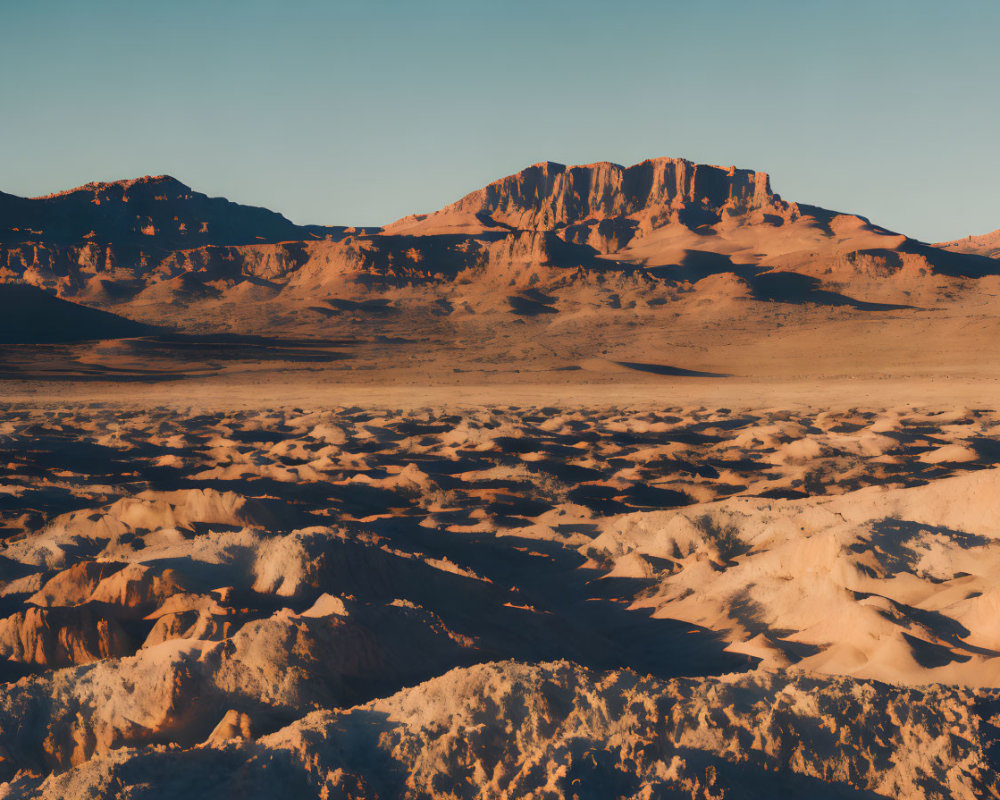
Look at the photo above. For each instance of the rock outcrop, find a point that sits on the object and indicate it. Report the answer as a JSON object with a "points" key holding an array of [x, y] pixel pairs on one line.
{"points": [[550, 196], [509, 730], [152, 247]]}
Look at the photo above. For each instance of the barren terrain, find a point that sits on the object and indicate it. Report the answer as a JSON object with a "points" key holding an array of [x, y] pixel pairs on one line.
{"points": [[238, 588], [600, 482]]}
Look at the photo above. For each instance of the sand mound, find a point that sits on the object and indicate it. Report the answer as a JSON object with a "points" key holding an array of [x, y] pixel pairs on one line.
{"points": [[886, 585], [189, 596]]}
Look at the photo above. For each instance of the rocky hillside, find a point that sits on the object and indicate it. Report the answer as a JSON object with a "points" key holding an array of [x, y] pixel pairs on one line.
{"points": [[987, 244], [153, 211], [125, 229], [153, 248]]}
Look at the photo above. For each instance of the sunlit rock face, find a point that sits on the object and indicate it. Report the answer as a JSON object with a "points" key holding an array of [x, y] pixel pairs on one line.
{"points": [[147, 245]]}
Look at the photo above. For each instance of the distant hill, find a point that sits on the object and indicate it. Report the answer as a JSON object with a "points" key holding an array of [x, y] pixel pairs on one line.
{"points": [[155, 211], [987, 244]]}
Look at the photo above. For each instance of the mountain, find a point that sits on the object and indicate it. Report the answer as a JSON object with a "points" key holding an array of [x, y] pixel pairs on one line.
{"points": [[122, 230], [668, 213], [153, 210], [657, 231]]}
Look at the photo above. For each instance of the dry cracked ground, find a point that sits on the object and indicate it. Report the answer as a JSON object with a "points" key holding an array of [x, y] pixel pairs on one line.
{"points": [[499, 602]]}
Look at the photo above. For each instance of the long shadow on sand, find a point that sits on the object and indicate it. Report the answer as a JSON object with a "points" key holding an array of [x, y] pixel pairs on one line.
{"points": [[166, 357], [664, 369]]}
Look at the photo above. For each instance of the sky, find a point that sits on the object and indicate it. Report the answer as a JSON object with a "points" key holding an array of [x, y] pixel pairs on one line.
{"points": [[357, 113]]}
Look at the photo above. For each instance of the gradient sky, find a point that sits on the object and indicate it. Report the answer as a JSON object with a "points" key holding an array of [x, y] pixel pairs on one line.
{"points": [[361, 112]]}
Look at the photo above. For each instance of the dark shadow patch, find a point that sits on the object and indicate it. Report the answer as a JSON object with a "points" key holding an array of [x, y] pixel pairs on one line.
{"points": [[891, 539], [796, 289], [698, 264], [527, 307], [783, 494], [642, 495], [930, 655], [664, 369], [29, 315]]}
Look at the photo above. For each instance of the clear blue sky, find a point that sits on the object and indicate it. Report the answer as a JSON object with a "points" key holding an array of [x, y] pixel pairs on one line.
{"points": [[361, 112]]}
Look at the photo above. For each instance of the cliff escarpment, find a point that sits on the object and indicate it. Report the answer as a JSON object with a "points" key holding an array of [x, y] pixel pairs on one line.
{"points": [[659, 227], [550, 196]]}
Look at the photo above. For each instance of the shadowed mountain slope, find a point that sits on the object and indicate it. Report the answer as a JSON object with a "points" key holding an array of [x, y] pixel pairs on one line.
{"points": [[29, 315]]}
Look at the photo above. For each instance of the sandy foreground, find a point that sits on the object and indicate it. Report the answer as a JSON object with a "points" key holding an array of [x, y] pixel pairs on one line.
{"points": [[603, 582]]}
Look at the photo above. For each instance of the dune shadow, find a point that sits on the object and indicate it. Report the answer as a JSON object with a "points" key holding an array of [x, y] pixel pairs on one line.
{"points": [[162, 357], [765, 285], [666, 370], [955, 265], [696, 265], [29, 315], [796, 289]]}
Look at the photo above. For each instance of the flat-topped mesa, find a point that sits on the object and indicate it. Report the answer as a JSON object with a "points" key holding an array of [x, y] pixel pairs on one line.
{"points": [[547, 196]]}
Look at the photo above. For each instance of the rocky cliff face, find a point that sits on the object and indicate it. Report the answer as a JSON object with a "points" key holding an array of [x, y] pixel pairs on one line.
{"points": [[549, 196], [667, 221]]}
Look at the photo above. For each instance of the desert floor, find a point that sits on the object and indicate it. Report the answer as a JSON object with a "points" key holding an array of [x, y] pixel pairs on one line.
{"points": [[280, 574]]}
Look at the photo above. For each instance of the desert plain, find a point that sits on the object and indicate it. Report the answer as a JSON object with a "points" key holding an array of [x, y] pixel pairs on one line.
{"points": [[600, 482]]}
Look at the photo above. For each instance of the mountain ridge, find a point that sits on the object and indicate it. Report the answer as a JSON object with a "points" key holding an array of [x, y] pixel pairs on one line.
{"points": [[548, 195], [154, 247], [149, 212]]}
